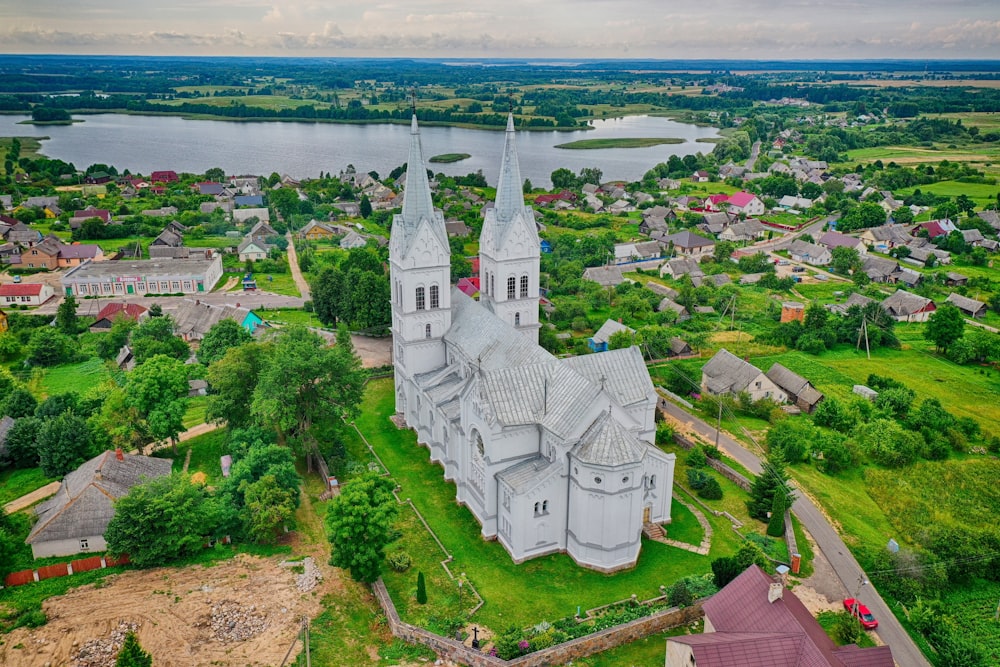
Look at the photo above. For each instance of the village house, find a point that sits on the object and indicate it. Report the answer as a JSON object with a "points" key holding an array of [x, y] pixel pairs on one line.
{"points": [[725, 373], [886, 237], [905, 306], [681, 266], [744, 232], [832, 239], [166, 176], [689, 244], [607, 276], [855, 299], [78, 253], [23, 235], [114, 311], [353, 240], [252, 250], [799, 390], [662, 290], [25, 294], [152, 276], [669, 304], [77, 516], [242, 215], [952, 279], [626, 253], [968, 306], [194, 318], [42, 255], [701, 176], [599, 341], [809, 253], [745, 203], [880, 269], [317, 231], [756, 621]]}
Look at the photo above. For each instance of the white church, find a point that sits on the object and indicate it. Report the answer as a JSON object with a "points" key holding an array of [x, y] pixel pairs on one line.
{"points": [[550, 455]]}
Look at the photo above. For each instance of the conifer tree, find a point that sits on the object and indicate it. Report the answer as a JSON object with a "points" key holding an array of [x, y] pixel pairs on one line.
{"points": [[421, 589], [132, 654], [772, 478]]}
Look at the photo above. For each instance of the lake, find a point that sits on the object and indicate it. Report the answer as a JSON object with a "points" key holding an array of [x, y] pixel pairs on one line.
{"points": [[147, 143]]}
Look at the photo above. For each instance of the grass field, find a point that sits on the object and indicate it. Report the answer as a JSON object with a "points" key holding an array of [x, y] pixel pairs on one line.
{"points": [[291, 316], [30, 146], [980, 193], [195, 413], [205, 452], [684, 526], [16, 483], [509, 589], [78, 377], [624, 142], [279, 283], [276, 102]]}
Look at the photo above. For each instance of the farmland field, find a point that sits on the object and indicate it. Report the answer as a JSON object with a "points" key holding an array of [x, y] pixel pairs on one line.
{"points": [[981, 193]]}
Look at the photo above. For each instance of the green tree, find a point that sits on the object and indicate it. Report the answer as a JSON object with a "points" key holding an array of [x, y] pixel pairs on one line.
{"points": [[233, 379], [110, 343], [845, 259], [223, 335], [22, 442], [421, 589], [270, 508], [131, 653], [262, 460], [328, 291], [359, 524], [945, 326], [772, 479], [776, 524], [563, 179], [156, 336], [162, 519], [48, 346], [158, 391], [63, 444], [19, 403], [862, 216], [365, 206], [10, 346], [66, 318], [303, 380]]}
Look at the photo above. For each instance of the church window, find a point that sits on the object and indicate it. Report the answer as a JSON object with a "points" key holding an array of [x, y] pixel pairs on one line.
{"points": [[545, 507], [421, 304], [511, 287], [435, 299], [597, 480], [625, 479], [493, 285], [537, 505], [517, 319], [524, 287], [427, 331], [652, 481], [478, 469]]}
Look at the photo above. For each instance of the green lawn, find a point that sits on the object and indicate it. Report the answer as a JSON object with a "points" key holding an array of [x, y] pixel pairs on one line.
{"points": [[78, 377], [684, 526], [291, 316], [509, 589], [276, 102], [205, 453], [646, 652], [195, 413], [280, 283], [981, 193], [16, 483]]}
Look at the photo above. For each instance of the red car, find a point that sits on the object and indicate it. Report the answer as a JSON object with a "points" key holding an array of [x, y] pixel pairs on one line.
{"points": [[860, 611]]}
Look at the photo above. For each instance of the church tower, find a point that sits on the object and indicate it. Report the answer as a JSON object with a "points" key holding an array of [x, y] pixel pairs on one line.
{"points": [[420, 275], [508, 249]]}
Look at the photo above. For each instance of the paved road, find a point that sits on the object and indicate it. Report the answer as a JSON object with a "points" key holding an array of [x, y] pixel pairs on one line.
{"points": [[754, 153], [904, 651], [293, 266], [258, 300]]}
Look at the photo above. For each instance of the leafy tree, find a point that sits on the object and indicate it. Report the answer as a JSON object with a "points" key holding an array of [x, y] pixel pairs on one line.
{"points": [[156, 310], [945, 326], [903, 215], [832, 414], [328, 291], [894, 401], [563, 179], [421, 589], [365, 206], [66, 318], [162, 519], [725, 569], [262, 460], [862, 216], [156, 336], [887, 443], [158, 391], [63, 444], [19, 403], [790, 438], [772, 479], [359, 523], [223, 335], [57, 404], [131, 653], [48, 347], [10, 346], [303, 380], [110, 343], [711, 490], [233, 380], [270, 508], [845, 259], [590, 175], [22, 442]]}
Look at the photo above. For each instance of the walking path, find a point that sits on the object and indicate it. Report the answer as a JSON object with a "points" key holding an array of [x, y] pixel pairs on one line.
{"points": [[706, 527], [293, 265], [847, 569], [29, 499]]}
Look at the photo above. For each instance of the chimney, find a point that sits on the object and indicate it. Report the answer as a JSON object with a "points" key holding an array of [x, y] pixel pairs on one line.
{"points": [[774, 592], [119, 454], [97, 475]]}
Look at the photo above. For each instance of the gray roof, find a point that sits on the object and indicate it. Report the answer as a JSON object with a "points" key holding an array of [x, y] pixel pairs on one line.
{"points": [[683, 266], [725, 372], [679, 346], [608, 329], [604, 275], [688, 239], [904, 303], [794, 384], [83, 506], [249, 241], [669, 304], [965, 303], [526, 475], [718, 279], [608, 443], [623, 373], [662, 290], [168, 237], [193, 319]]}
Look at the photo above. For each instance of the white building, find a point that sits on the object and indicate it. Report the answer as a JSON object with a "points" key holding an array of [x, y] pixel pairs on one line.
{"points": [[550, 455], [147, 276]]}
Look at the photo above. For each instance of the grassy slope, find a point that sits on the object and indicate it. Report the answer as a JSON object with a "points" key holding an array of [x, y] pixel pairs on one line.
{"points": [[72, 377], [16, 483]]}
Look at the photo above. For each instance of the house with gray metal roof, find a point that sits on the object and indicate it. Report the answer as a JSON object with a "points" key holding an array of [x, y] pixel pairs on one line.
{"points": [[800, 391], [550, 455], [75, 519], [905, 306], [967, 305], [725, 373]]}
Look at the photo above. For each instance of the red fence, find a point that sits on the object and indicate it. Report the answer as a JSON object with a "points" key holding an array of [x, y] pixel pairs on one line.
{"points": [[64, 569]]}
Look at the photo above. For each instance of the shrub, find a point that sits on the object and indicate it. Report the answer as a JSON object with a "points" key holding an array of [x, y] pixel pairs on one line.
{"points": [[679, 595], [847, 629], [712, 490], [696, 458], [697, 479], [399, 561], [421, 589]]}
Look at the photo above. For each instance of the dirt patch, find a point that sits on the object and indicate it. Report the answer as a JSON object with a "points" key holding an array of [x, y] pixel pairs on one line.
{"points": [[374, 352], [185, 617]]}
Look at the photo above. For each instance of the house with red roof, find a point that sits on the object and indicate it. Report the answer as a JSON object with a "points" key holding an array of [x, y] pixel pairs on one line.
{"points": [[565, 195], [91, 212], [715, 202], [935, 228], [25, 294], [746, 203], [754, 621], [114, 311], [163, 177], [469, 287]]}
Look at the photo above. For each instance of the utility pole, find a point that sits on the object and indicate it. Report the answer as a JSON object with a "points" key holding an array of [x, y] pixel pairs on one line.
{"points": [[308, 655], [718, 425]]}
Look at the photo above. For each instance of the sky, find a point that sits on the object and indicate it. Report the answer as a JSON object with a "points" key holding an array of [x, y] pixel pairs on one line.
{"points": [[668, 29]]}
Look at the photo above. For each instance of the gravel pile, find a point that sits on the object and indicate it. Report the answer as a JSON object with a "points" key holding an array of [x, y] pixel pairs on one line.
{"points": [[103, 652], [229, 621], [310, 577]]}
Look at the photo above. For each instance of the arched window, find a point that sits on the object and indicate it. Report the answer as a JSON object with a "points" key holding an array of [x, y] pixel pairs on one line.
{"points": [[427, 331], [421, 304], [517, 319], [511, 287], [524, 287], [435, 299], [652, 481], [536, 508], [493, 285], [399, 293], [545, 506]]}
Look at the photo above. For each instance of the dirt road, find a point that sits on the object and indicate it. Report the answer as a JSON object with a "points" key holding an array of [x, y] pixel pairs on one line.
{"points": [[29, 499], [293, 265]]}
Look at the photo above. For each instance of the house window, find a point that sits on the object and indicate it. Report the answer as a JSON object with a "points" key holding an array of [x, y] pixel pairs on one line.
{"points": [[435, 299], [511, 287], [524, 287], [427, 331], [517, 319], [420, 298], [84, 544]]}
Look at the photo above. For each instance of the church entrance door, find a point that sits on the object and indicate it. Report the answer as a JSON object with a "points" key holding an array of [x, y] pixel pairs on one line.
{"points": [[645, 514]]}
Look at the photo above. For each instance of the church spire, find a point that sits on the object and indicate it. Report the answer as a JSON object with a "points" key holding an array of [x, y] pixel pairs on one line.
{"points": [[510, 196], [417, 202]]}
